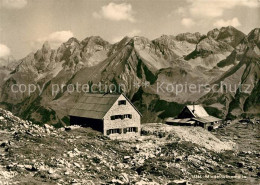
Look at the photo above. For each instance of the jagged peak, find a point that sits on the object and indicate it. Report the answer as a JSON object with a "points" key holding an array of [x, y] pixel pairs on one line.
{"points": [[215, 29], [213, 32], [140, 38], [227, 28], [136, 39], [71, 42], [165, 37], [189, 34], [125, 40], [165, 40], [254, 37], [251, 39], [73, 39], [189, 37], [254, 32], [93, 39], [230, 30], [256, 29], [139, 41], [228, 34], [46, 46]]}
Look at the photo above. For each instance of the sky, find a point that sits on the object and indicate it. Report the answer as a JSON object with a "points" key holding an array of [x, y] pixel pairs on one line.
{"points": [[26, 24]]}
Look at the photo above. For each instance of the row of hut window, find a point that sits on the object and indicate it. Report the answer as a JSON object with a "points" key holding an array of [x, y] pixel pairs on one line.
{"points": [[122, 130], [123, 116]]}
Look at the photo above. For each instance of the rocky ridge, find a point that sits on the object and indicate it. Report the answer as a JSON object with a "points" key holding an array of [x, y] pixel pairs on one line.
{"points": [[76, 155], [186, 58]]}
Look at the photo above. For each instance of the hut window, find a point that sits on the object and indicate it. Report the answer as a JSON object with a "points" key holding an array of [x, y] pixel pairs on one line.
{"points": [[116, 117], [114, 131], [112, 117], [121, 116], [122, 102], [128, 116], [131, 129]]}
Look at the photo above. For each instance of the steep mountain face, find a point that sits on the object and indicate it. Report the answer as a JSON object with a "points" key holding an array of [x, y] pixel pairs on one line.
{"points": [[229, 35], [7, 65], [131, 60], [88, 52], [171, 83], [137, 66], [47, 64], [173, 47], [94, 50], [242, 79], [208, 53], [213, 33], [215, 47], [72, 54], [8, 62], [190, 37]]}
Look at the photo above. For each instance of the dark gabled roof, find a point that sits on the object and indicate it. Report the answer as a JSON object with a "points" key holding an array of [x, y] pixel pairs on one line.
{"points": [[95, 106], [199, 110], [207, 119], [185, 120], [199, 113], [176, 120]]}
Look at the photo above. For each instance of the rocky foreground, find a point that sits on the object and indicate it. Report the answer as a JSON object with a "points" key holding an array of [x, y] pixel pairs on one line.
{"points": [[30, 154]]}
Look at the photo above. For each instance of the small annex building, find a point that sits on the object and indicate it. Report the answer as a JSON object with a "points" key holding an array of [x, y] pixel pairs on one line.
{"points": [[194, 115], [111, 114]]}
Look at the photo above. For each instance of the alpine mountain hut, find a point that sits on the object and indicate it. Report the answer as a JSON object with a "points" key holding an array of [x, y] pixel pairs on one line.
{"points": [[111, 114], [194, 115]]}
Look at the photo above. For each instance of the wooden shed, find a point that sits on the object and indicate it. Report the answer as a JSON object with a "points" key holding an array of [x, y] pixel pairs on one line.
{"points": [[194, 115]]}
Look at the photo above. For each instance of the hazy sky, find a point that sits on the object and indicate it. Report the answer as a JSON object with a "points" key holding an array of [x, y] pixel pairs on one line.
{"points": [[26, 24]]}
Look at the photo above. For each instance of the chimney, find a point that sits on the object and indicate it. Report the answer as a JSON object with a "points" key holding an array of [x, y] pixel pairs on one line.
{"points": [[193, 108], [108, 92]]}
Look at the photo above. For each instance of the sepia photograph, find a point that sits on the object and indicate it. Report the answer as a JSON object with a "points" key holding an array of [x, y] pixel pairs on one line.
{"points": [[129, 92]]}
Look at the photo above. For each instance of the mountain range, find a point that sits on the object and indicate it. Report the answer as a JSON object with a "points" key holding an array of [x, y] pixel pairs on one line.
{"points": [[222, 55]]}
